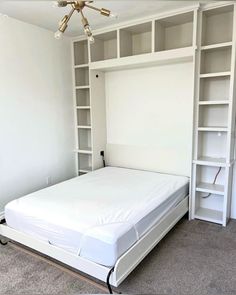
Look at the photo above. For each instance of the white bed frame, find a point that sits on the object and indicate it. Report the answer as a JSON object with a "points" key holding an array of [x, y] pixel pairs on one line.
{"points": [[124, 265]]}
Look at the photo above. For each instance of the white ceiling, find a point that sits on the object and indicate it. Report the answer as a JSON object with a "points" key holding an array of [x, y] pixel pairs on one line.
{"points": [[43, 14]]}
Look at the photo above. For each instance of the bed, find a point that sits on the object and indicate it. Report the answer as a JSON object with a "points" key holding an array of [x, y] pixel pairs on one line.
{"points": [[103, 223]]}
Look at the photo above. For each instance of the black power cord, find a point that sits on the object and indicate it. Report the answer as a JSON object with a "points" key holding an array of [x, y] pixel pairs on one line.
{"points": [[108, 280], [218, 172], [102, 154]]}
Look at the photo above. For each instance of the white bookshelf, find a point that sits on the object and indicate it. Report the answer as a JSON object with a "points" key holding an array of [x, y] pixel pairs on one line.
{"points": [[214, 113], [168, 39]]}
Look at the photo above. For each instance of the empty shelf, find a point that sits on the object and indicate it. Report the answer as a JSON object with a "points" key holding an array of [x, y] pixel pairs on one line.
{"points": [[209, 215], [85, 150], [213, 102], [210, 188], [215, 46], [84, 127], [213, 129], [83, 108], [208, 161], [85, 169], [219, 74]]}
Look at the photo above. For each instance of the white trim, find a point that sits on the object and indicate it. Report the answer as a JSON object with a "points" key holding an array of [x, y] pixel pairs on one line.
{"points": [[124, 265]]}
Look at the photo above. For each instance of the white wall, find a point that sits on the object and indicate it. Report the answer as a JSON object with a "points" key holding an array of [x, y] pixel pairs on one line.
{"points": [[150, 110], [36, 110]]}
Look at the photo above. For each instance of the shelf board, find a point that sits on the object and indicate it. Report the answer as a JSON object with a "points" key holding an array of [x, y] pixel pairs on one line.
{"points": [[84, 127], [213, 102], [213, 129], [85, 169], [154, 58], [83, 108], [215, 46], [86, 150], [212, 75], [82, 87], [81, 66], [209, 215], [210, 188], [209, 161]]}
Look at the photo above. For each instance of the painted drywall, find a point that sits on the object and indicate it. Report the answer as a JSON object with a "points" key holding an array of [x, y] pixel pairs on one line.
{"points": [[36, 110], [150, 110]]}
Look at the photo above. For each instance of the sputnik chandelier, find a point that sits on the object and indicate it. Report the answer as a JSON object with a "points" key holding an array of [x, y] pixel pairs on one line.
{"points": [[79, 6]]}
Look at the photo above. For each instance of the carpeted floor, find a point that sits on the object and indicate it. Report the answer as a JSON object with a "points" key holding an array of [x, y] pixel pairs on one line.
{"points": [[194, 258]]}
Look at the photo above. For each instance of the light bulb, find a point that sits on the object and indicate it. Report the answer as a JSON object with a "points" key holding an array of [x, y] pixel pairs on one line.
{"points": [[58, 35], [91, 39], [113, 15], [219, 134]]}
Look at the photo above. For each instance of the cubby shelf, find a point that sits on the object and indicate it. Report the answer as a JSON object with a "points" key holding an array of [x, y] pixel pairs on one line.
{"points": [[213, 102], [209, 215], [210, 188]]}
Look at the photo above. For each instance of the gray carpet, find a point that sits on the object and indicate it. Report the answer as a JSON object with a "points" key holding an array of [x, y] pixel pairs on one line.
{"points": [[194, 258]]}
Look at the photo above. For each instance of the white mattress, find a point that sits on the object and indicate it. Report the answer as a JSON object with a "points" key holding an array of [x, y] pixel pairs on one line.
{"points": [[99, 215]]}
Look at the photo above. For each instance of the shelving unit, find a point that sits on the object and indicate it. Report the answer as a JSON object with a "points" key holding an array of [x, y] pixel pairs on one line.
{"points": [[82, 107], [105, 46], [136, 40], [159, 40], [174, 32], [214, 116]]}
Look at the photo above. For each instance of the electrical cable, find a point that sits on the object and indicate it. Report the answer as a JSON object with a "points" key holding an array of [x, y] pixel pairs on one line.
{"points": [[218, 172]]}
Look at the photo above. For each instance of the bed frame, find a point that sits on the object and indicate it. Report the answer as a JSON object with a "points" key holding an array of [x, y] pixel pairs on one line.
{"points": [[124, 265]]}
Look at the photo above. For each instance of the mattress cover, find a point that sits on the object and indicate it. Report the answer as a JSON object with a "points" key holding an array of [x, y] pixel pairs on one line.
{"points": [[98, 215]]}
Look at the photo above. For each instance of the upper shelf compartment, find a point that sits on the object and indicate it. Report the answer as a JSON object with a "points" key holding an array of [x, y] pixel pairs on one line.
{"points": [[217, 25], [105, 46], [174, 32], [81, 53], [136, 40]]}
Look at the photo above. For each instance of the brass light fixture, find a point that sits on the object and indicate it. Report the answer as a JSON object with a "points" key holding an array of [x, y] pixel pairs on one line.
{"points": [[79, 6]]}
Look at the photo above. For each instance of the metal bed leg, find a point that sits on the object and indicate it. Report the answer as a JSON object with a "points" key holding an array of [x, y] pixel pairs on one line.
{"points": [[108, 281], [1, 242]]}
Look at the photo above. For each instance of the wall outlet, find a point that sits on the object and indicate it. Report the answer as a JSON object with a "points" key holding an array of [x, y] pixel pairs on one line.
{"points": [[48, 180]]}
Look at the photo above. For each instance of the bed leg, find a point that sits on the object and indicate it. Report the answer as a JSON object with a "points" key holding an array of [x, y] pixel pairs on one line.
{"points": [[1, 241], [108, 281]]}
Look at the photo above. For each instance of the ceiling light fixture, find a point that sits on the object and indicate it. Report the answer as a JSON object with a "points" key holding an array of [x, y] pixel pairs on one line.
{"points": [[79, 6]]}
